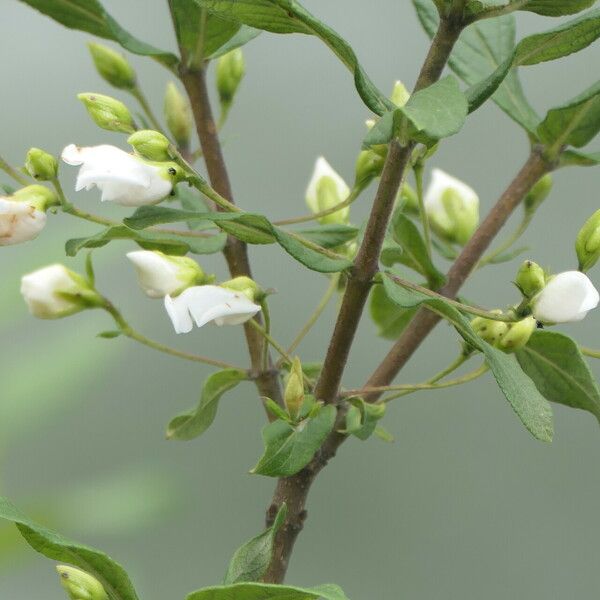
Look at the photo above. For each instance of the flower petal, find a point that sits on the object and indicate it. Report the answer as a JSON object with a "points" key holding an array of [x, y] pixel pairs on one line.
{"points": [[179, 314]]}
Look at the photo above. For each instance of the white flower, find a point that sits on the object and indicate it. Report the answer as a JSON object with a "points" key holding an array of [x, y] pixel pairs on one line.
{"points": [[326, 189], [452, 207], [160, 275], [121, 177], [19, 221], [54, 292], [208, 303], [566, 298]]}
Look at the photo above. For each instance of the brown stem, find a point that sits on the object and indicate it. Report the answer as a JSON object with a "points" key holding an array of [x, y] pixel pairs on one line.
{"points": [[235, 251], [294, 490], [535, 167]]}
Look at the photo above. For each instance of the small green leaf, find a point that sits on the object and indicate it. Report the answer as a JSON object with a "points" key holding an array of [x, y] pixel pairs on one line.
{"points": [[110, 574], [573, 158], [391, 320], [251, 560], [268, 591], [557, 8], [560, 372], [288, 449], [195, 422], [362, 418], [330, 235], [244, 35], [91, 17], [575, 123], [479, 92], [110, 335]]}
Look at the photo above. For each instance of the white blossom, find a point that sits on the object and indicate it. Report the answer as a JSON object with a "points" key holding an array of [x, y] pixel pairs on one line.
{"points": [[206, 303], [566, 298], [121, 177], [326, 189], [19, 221]]}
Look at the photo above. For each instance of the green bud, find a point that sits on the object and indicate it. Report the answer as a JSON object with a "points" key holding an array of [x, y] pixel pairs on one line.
{"points": [[38, 196], [538, 193], [41, 165], [587, 244], [408, 199], [108, 113], [294, 390], [151, 145], [531, 279], [369, 165], [79, 585], [518, 335], [178, 115], [489, 330], [245, 285], [230, 72], [460, 219], [113, 67], [400, 95]]}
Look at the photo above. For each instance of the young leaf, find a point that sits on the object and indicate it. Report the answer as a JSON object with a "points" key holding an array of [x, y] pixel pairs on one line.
{"points": [[195, 422], [289, 16], [110, 574], [575, 123], [368, 417], [530, 406], [389, 318], [268, 591], [244, 35], [330, 235], [91, 17], [288, 449], [251, 560], [573, 158], [557, 8], [560, 372]]}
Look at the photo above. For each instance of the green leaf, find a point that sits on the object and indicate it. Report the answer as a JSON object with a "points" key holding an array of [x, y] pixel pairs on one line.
{"points": [[149, 240], [111, 575], [575, 123], [91, 17], [289, 16], [520, 391], [560, 372], [251, 560], [195, 422], [390, 319], [244, 35], [573, 158], [330, 235], [288, 449], [561, 41], [268, 591], [362, 418], [557, 8], [479, 92], [408, 237], [482, 50]]}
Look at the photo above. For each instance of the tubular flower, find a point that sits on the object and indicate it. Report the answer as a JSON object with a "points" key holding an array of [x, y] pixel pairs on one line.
{"points": [[452, 207], [566, 298], [121, 177], [206, 303], [160, 275], [326, 189]]}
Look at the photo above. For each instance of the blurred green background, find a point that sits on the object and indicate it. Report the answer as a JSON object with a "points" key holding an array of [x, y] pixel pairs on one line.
{"points": [[464, 505]]}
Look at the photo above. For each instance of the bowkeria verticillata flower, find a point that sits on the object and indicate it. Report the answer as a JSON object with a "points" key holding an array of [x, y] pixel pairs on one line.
{"points": [[113, 67], [121, 177], [326, 189], [566, 298], [79, 585], [54, 292], [452, 207], [151, 145], [41, 165], [531, 279], [23, 215], [161, 275], [206, 303], [108, 113]]}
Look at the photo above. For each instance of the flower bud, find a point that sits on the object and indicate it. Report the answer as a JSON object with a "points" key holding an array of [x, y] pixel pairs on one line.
{"points": [[518, 335], [408, 199], [230, 72], [41, 165], [54, 292], [79, 585], [587, 244], [246, 286], [489, 330], [178, 115], [37, 196], [108, 113], [326, 189], [452, 208], [566, 298], [151, 145], [400, 95], [368, 166], [531, 278], [538, 193], [113, 67], [294, 390], [160, 275]]}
